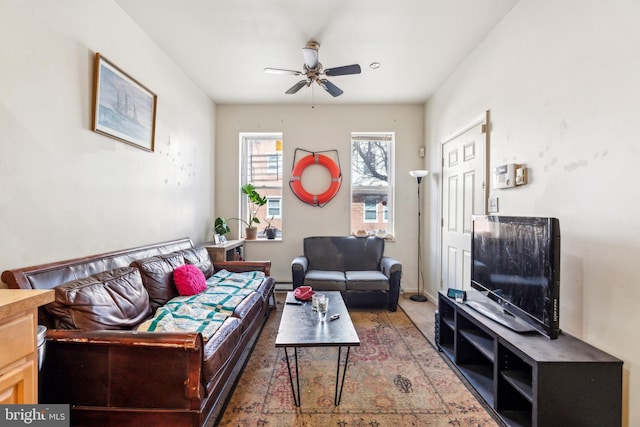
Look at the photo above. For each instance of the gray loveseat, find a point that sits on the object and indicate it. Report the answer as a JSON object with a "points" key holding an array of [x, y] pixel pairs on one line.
{"points": [[355, 266]]}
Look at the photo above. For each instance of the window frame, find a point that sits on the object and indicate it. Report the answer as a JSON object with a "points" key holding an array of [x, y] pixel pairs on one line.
{"points": [[367, 210], [385, 212], [247, 174], [273, 199]]}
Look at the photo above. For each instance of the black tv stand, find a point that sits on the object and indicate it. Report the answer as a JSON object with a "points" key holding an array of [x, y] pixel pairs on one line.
{"points": [[529, 379], [495, 312]]}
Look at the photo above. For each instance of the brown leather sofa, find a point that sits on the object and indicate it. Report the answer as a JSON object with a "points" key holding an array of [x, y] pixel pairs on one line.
{"points": [[112, 374]]}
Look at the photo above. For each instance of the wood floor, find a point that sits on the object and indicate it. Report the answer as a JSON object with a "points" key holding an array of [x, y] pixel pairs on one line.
{"points": [[421, 314]]}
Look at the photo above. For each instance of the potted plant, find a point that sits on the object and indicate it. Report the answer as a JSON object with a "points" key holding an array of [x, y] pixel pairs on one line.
{"points": [[270, 231], [255, 200], [220, 227]]}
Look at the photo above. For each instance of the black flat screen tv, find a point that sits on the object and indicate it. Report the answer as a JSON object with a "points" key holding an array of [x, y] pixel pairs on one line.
{"points": [[515, 261]]}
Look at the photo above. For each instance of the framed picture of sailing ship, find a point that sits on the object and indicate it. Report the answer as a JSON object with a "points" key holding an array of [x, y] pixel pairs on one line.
{"points": [[123, 108]]}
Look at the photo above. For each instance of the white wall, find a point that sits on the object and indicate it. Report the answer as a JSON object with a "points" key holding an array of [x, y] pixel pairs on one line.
{"points": [[562, 82], [67, 191], [321, 128]]}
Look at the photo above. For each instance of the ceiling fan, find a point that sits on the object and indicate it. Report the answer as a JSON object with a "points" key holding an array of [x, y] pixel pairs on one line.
{"points": [[313, 71]]}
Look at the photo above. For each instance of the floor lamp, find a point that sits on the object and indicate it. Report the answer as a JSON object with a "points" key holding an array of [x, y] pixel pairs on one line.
{"points": [[418, 175]]}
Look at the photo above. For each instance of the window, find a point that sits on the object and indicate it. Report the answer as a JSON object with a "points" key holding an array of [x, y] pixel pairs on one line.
{"points": [[372, 183], [273, 207], [370, 209], [261, 165], [274, 164]]}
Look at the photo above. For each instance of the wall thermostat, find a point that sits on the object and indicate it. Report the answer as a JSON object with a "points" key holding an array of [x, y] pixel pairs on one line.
{"points": [[504, 176], [508, 176]]}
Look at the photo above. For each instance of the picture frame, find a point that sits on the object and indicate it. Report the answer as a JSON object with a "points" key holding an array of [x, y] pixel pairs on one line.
{"points": [[123, 108], [216, 239]]}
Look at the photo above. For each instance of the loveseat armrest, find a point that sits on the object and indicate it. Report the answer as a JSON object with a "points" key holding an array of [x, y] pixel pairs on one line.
{"points": [[123, 369], [299, 267], [388, 266], [392, 268], [243, 266]]}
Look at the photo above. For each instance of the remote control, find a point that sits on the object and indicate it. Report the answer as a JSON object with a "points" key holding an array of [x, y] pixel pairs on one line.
{"points": [[334, 317]]}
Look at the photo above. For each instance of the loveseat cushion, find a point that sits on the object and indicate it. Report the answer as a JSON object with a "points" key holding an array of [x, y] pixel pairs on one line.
{"points": [[343, 253], [326, 280], [114, 299], [157, 277], [366, 281]]}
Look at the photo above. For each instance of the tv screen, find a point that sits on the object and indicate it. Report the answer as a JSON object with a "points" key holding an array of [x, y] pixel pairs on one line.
{"points": [[516, 263]]}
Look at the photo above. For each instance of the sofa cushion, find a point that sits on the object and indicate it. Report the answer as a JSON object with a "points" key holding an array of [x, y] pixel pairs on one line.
{"points": [[248, 310], [157, 277], [325, 280], [114, 299], [189, 280], [200, 258], [366, 281], [219, 350]]}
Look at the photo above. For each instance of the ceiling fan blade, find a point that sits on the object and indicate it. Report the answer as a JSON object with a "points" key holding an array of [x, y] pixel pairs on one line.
{"points": [[330, 87], [281, 71], [343, 71], [296, 87], [310, 53]]}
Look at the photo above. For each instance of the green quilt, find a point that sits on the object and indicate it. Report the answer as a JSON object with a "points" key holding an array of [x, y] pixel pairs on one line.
{"points": [[205, 312]]}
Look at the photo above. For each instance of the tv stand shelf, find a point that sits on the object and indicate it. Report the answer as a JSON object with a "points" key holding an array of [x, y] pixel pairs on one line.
{"points": [[529, 379]]}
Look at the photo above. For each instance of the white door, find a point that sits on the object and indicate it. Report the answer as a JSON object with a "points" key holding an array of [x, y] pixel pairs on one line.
{"points": [[464, 193]]}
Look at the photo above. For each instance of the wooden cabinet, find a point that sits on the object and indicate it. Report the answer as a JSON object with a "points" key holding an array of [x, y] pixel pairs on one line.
{"points": [[231, 250], [18, 344], [530, 380]]}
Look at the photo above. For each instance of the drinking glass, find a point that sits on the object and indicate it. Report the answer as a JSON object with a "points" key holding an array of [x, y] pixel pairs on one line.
{"points": [[323, 306]]}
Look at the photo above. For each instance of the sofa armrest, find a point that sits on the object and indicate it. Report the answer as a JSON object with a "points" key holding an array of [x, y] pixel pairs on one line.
{"points": [[123, 369], [388, 266], [393, 270], [299, 267], [242, 266]]}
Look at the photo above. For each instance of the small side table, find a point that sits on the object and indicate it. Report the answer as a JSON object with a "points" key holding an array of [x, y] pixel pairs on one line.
{"points": [[231, 250]]}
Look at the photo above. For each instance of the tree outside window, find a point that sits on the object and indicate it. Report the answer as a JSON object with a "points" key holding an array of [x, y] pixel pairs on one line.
{"points": [[372, 183]]}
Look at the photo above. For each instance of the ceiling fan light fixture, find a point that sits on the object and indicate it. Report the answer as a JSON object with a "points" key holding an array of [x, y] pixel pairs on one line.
{"points": [[310, 53], [314, 72]]}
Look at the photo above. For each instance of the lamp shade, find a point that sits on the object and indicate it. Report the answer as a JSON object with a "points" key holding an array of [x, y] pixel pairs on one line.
{"points": [[418, 173]]}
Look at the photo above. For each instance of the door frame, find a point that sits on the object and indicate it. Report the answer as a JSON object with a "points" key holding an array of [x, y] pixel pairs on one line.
{"points": [[484, 120]]}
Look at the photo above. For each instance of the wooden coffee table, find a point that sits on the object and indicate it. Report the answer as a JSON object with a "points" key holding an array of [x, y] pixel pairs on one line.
{"points": [[300, 327]]}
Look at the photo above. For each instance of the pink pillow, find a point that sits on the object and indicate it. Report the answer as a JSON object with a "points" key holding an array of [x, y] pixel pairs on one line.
{"points": [[189, 280]]}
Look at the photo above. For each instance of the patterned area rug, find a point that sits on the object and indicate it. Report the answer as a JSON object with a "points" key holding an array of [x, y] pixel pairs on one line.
{"points": [[394, 378]]}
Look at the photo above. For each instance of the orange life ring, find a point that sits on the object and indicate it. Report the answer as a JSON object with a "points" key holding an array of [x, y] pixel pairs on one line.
{"points": [[296, 179]]}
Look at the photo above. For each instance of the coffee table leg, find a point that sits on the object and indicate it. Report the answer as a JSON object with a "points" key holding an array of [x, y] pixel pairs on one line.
{"points": [[296, 397], [338, 397]]}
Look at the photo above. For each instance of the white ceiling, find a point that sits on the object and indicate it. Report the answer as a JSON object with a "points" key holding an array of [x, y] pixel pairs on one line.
{"points": [[224, 45]]}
